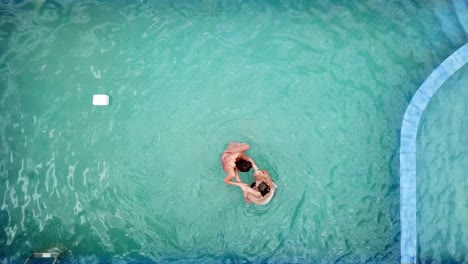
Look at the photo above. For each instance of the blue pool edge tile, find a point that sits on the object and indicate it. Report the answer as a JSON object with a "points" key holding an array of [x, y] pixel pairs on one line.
{"points": [[409, 131]]}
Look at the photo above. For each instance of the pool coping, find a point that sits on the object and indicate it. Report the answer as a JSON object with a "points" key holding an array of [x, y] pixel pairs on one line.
{"points": [[409, 132]]}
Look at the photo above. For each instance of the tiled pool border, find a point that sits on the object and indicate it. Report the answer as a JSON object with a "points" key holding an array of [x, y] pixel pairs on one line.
{"points": [[409, 132]]}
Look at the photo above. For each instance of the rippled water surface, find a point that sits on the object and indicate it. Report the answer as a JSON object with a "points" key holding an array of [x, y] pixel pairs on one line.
{"points": [[442, 171], [318, 89]]}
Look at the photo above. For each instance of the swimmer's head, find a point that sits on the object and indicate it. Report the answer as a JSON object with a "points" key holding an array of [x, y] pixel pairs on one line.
{"points": [[263, 188], [243, 165]]}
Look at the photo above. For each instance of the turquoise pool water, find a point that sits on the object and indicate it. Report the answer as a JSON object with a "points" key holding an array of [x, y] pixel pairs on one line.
{"points": [[317, 89], [442, 183]]}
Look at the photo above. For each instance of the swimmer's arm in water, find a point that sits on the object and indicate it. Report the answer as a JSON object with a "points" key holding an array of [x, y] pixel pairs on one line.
{"points": [[247, 190], [264, 176], [237, 177], [246, 197], [231, 175]]}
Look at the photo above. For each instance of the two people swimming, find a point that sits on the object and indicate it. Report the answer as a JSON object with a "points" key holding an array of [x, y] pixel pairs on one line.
{"points": [[234, 160]]}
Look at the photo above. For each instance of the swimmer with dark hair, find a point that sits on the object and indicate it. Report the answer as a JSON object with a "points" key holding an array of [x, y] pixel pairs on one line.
{"points": [[260, 191], [234, 160]]}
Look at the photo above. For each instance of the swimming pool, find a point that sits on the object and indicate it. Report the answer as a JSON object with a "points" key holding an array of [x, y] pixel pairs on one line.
{"points": [[317, 90], [410, 171], [442, 188]]}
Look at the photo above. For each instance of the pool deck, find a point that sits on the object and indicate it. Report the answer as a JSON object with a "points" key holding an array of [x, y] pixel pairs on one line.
{"points": [[409, 132]]}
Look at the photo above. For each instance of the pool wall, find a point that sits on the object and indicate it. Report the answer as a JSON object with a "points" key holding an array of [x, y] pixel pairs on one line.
{"points": [[409, 132]]}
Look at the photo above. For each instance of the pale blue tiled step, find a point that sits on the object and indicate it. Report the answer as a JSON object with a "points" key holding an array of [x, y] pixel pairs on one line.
{"points": [[408, 215], [408, 161], [409, 131], [407, 259], [435, 80], [407, 145], [420, 100], [408, 180], [455, 62], [408, 239], [408, 199]]}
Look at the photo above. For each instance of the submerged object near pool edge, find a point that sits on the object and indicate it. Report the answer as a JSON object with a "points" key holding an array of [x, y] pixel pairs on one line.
{"points": [[101, 99]]}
